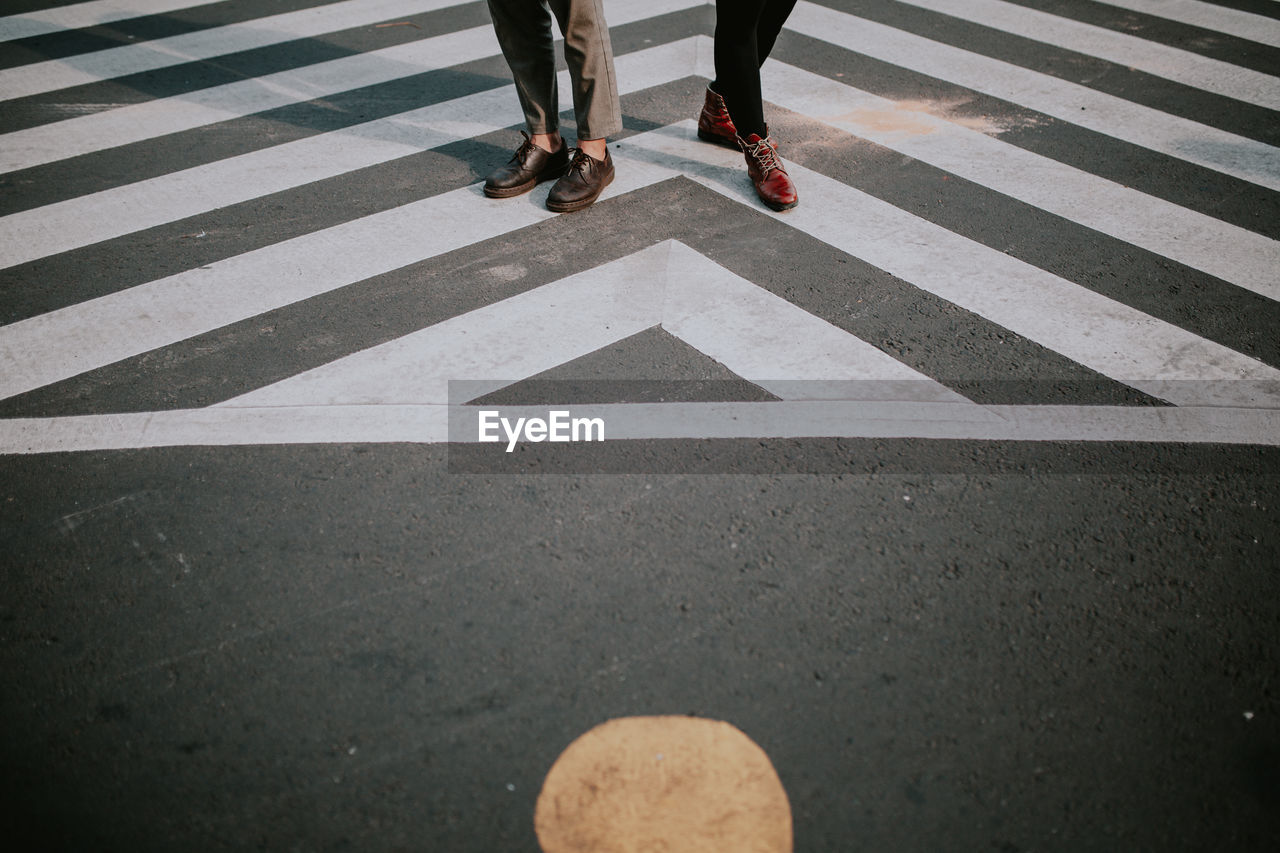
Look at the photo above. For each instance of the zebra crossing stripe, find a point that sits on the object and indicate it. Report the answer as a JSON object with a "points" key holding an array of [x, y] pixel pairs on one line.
{"points": [[1180, 66], [1237, 255], [39, 77], [1107, 336], [1206, 146], [89, 219], [55, 141], [48, 143], [757, 335], [90, 14], [1209, 16]]}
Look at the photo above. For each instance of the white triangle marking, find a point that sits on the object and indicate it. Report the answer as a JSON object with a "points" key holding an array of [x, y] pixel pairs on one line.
{"points": [[757, 335]]}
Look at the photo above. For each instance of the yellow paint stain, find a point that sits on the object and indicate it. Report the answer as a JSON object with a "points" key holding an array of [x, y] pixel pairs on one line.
{"points": [[663, 785], [911, 118]]}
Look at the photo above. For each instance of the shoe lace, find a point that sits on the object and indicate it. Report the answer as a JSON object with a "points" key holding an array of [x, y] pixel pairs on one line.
{"points": [[579, 160], [765, 153], [525, 149]]}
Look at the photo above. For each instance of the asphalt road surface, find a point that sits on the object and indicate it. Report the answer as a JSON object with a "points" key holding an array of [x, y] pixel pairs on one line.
{"points": [[954, 489]]}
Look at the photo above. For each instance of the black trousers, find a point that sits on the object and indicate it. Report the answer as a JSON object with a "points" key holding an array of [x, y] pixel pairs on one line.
{"points": [[745, 33]]}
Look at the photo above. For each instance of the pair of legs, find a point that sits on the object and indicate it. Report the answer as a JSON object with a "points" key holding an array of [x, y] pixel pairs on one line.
{"points": [[733, 114], [524, 32]]}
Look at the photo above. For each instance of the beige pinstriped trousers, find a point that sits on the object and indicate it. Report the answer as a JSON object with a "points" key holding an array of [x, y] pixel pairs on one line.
{"points": [[524, 32]]}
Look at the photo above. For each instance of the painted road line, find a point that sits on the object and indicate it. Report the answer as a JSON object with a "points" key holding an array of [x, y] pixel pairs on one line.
{"points": [[776, 344], [51, 75], [1180, 66], [757, 335], [513, 339], [49, 143], [640, 421], [89, 219], [1237, 255], [1187, 140], [1107, 336], [71, 340], [91, 14], [1209, 16]]}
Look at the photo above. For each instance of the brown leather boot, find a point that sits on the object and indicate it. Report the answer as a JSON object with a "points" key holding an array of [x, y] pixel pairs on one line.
{"points": [[772, 182], [582, 184], [527, 168], [714, 124]]}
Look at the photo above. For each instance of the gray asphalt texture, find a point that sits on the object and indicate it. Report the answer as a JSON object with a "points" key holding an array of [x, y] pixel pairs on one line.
{"points": [[941, 645]]}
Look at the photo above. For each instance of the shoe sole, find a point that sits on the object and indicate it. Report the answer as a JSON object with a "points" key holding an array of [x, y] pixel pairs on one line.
{"points": [[571, 206], [718, 140], [779, 207], [511, 192]]}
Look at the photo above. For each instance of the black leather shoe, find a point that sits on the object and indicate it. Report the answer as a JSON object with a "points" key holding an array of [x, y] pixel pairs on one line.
{"points": [[528, 167], [582, 184]]}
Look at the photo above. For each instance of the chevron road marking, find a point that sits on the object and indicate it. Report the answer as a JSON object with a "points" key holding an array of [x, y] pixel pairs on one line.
{"points": [[91, 14], [1180, 66], [91, 334], [1100, 333], [38, 77], [1209, 16], [1234, 254], [48, 143], [1105, 335], [1244, 258], [89, 219], [757, 335], [1206, 146]]}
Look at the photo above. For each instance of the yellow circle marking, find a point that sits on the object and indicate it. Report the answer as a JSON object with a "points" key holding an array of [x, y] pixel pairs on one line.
{"points": [[663, 785]]}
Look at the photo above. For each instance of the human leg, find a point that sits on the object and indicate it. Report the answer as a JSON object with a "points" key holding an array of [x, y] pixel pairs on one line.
{"points": [[589, 54], [524, 33]]}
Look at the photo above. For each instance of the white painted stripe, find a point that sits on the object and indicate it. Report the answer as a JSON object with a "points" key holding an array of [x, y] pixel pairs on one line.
{"points": [[508, 341], [776, 344], [1178, 137], [1209, 16], [49, 143], [1180, 66], [1237, 255], [89, 14], [638, 421], [757, 335], [88, 335], [1100, 333], [89, 219], [48, 76]]}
